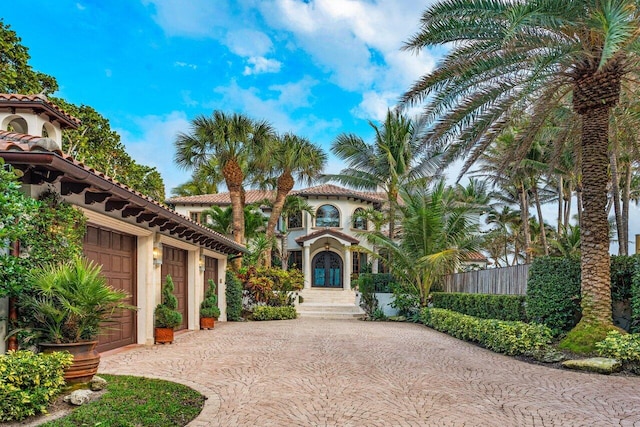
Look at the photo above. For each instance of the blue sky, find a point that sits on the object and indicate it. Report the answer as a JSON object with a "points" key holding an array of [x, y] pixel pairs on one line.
{"points": [[316, 67]]}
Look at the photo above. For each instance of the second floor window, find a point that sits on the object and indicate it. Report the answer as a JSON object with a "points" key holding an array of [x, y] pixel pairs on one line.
{"points": [[295, 220], [327, 216], [359, 222]]}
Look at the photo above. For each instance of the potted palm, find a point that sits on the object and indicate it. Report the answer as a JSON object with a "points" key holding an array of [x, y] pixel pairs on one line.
{"points": [[166, 315], [209, 311], [68, 306]]}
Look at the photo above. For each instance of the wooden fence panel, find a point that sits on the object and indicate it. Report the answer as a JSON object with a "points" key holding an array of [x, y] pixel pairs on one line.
{"points": [[507, 280]]}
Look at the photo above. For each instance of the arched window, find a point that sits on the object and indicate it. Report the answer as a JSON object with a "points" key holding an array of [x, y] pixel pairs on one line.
{"points": [[359, 222], [327, 216]]}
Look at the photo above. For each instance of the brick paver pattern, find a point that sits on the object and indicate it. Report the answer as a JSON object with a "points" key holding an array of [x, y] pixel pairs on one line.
{"points": [[313, 372]]}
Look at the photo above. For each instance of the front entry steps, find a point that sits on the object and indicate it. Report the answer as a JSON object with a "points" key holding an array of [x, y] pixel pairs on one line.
{"points": [[329, 304]]}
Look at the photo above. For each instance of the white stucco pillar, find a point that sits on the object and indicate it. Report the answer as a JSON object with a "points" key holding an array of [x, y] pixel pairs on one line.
{"points": [[148, 291], [306, 262], [222, 289], [347, 268]]}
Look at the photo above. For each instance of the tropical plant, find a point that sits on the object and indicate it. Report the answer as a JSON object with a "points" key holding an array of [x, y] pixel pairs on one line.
{"points": [[437, 233], [513, 56], [293, 205], [204, 180], [166, 313], [289, 156], [388, 163], [232, 140], [221, 220], [69, 302], [209, 305]]}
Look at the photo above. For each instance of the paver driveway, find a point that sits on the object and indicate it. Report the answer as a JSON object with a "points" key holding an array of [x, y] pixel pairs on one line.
{"points": [[310, 372]]}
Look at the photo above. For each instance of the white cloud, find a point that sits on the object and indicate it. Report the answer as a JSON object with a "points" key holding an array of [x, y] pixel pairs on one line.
{"points": [[261, 65], [80, 6], [185, 65], [248, 43], [152, 144], [375, 105], [193, 18], [187, 100]]}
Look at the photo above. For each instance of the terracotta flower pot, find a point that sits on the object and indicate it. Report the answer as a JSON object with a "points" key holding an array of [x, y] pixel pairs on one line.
{"points": [[207, 323], [85, 359], [164, 335]]}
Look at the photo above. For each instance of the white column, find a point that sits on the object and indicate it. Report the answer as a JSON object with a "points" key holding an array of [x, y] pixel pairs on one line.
{"points": [[222, 289], [148, 288], [347, 268], [306, 262]]}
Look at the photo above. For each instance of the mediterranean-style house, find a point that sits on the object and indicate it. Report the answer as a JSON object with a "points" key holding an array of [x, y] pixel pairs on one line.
{"points": [[137, 240], [322, 245]]}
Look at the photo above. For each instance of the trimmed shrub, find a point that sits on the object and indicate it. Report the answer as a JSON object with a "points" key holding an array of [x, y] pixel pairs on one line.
{"points": [[265, 312], [625, 348], [512, 338], [635, 299], [500, 307], [553, 293], [29, 381], [622, 271], [234, 297]]}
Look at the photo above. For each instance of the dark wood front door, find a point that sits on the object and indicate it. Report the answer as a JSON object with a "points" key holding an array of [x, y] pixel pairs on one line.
{"points": [[210, 273], [327, 270], [116, 253], [174, 263]]}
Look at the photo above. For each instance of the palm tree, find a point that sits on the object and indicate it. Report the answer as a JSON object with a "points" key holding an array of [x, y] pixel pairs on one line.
{"points": [[288, 156], [437, 233], [507, 56], [292, 206], [221, 220], [232, 140], [204, 180], [389, 163]]}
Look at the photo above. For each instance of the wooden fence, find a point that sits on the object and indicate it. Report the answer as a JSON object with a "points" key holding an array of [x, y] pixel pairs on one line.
{"points": [[507, 280]]}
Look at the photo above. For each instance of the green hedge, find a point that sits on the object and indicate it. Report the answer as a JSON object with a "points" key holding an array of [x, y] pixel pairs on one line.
{"points": [[635, 300], [265, 312], [512, 338], [553, 293], [381, 282], [500, 307], [29, 381], [234, 297]]}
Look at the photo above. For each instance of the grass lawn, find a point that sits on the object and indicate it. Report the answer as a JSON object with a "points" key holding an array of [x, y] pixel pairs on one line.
{"points": [[136, 401]]}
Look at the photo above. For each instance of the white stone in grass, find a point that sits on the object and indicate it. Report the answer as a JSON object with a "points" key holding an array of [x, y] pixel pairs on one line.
{"points": [[97, 383], [79, 397], [601, 365]]}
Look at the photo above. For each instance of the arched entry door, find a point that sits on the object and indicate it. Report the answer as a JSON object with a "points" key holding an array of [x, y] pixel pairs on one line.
{"points": [[327, 270]]}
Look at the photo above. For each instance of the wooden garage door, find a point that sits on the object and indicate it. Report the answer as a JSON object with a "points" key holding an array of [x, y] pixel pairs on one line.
{"points": [[174, 263], [210, 272], [116, 252]]}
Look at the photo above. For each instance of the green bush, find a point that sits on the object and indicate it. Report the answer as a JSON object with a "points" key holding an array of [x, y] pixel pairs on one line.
{"points": [[209, 305], [635, 299], [622, 271], [625, 348], [512, 338], [28, 382], [500, 307], [553, 293], [166, 314], [234, 297], [382, 282], [265, 312]]}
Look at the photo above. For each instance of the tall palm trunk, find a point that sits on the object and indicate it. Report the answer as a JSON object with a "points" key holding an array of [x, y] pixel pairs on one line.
{"points": [[543, 232], [284, 187], [233, 177], [524, 214], [594, 227]]}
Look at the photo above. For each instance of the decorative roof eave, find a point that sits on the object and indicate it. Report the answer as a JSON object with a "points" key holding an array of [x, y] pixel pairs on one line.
{"points": [[326, 232], [39, 103], [75, 178]]}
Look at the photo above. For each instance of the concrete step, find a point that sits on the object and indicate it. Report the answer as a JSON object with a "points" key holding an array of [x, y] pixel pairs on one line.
{"points": [[328, 296], [324, 315], [328, 308]]}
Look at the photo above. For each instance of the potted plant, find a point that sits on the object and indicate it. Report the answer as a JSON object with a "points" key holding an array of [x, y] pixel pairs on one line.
{"points": [[166, 315], [66, 309], [209, 311]]}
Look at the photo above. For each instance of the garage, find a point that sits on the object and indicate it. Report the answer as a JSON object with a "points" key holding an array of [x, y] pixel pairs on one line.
{"points": [[210, 273], [116, 252], [174, 263]]}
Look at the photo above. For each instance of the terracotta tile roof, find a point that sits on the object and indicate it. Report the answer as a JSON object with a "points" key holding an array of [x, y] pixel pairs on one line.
{"points": [[476, 256], [327, 232], [11, 142], [16, 141], [17, 100], [222, 199], [330, 190]]}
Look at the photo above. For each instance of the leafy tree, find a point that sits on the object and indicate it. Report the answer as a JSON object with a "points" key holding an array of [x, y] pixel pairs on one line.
{"points": [[16, 75], [289, 155], [204, 180], [221, 220], [536, 54], [232, 140], [389, 162]]}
